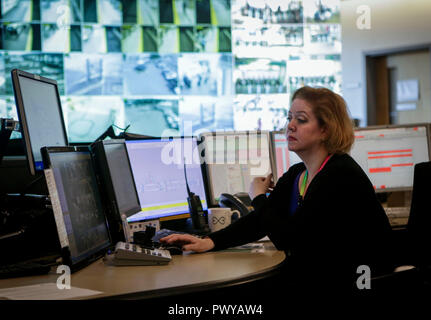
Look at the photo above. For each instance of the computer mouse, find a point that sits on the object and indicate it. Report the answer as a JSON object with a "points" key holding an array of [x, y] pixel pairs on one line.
{"points": [[174, 250]]}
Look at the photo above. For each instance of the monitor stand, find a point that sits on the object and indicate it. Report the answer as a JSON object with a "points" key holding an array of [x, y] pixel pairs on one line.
{"points": [[175, 224]]}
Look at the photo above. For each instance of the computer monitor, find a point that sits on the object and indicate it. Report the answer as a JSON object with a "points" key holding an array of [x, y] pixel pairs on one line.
{"points": [[282, 158], [233, 160], [117, 183], [39, 112], [76, 201], [158, 171], [388, 154]]}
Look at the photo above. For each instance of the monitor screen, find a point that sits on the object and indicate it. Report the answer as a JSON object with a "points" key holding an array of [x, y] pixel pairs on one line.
{"points": [[283, 159], [234, 159], [122, 178], [81, 223], [39, 111], [388, 154], [158, 171]]}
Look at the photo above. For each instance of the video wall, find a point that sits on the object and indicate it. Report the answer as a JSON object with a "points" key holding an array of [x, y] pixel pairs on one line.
{"points": [[174, 67]]}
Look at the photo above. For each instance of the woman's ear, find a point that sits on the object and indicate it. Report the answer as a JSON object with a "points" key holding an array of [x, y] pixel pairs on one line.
{"points": [[324, 132]]}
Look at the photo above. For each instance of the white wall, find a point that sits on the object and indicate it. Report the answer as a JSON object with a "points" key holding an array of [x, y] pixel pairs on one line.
{"points": [[394, 24], [413, 65]]}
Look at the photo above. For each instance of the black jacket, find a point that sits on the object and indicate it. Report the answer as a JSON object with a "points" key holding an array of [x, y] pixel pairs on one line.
{"points": [[339, 226]]}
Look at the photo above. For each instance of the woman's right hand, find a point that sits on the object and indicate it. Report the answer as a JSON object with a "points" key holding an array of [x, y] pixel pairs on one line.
{"points": [[189, 242], [261, 185]]}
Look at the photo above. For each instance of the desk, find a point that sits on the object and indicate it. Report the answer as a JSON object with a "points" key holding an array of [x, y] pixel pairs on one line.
{"points": [[186, 273]]}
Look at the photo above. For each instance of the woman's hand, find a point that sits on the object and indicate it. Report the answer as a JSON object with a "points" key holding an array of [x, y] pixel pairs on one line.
{"points": [[261, 185], [189, 242]]}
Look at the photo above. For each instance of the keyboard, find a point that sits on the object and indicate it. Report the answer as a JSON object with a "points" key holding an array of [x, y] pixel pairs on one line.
{"points": [[398, 216], [127, 254]]}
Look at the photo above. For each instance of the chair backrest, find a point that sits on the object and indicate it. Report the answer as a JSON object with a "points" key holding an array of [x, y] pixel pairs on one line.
{"points": [[419, 224]]}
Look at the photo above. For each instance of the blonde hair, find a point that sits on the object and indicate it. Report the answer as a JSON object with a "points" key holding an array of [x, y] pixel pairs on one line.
{"points": [[330, 109]]}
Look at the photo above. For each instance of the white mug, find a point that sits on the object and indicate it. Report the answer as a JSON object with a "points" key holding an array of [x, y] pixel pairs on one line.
{"points": [[219, 218]]}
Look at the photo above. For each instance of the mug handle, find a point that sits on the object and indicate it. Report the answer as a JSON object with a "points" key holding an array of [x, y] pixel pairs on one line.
{"points": [[232, 212]]}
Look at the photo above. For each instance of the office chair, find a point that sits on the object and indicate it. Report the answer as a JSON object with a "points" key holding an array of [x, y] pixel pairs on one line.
{"points": [[419, 223], [414, 250]]}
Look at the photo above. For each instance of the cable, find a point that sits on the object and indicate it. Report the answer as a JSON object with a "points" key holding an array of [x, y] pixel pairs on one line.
{"points": [[23, 192], [185, 174], [124, 130]]}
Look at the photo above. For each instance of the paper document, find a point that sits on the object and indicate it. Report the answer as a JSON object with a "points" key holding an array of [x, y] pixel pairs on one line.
{"points": [[252, 247], [266, 238], [44, 291]]}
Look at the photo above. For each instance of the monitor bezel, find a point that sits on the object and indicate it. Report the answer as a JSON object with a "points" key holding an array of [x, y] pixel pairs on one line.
{"points": [[395, 126], [208, 174], [178, 216], [116, 219], [98, 252], [273, 155], [19, 102], [99, 147]]}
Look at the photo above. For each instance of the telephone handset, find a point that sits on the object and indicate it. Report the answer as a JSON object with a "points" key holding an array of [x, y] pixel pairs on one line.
{"points": [[240, 201]]}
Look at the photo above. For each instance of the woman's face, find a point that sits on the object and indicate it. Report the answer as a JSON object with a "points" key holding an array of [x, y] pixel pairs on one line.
{"points": [[303, 131]]}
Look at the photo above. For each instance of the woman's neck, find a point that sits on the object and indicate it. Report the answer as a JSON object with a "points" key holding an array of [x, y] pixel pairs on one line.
{"points": [[313, 161]]}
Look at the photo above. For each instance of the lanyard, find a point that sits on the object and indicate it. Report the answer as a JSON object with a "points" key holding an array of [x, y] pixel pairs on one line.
{"points": [[304, 181]]}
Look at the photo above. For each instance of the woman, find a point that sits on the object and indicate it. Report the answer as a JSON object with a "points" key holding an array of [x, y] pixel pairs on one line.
{"points": [[323, 212]]}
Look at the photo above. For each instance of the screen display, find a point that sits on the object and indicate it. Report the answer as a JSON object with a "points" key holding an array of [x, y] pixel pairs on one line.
{"points": [[79, 196], [221, 64], [283, 158], [158, 171], [388, 155], [42, 112], [122, 179], [234, 159]]}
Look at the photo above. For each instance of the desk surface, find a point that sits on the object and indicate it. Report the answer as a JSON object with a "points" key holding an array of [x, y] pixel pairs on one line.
{"points": [[186, 273]]}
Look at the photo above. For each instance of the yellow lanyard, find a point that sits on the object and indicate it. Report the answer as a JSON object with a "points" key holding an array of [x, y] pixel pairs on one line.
{"points": [[303, 184], [304, 181]]}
